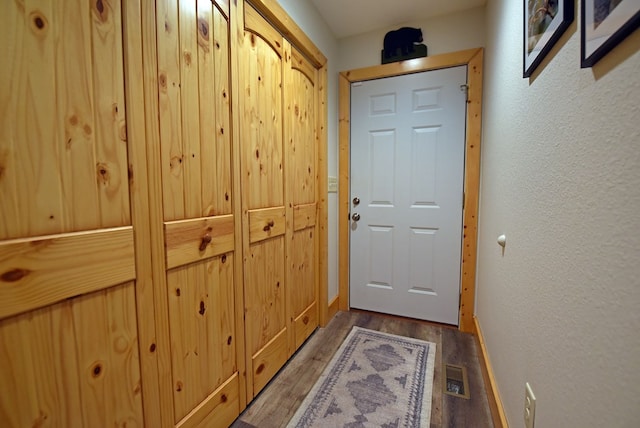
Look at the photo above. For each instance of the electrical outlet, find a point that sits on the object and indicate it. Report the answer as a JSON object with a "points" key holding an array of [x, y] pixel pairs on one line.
{"points": [[529, 406]]}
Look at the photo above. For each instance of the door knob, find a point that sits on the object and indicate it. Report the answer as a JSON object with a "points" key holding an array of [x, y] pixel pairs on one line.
{"points": [[356, 201], [355, 217]]}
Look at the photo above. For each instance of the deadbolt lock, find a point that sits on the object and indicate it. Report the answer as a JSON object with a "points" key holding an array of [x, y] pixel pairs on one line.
{"points": [[356, 201], [355, 217]]}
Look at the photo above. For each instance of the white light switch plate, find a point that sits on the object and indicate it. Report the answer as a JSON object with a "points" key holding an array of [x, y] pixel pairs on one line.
{"points": [[332, 185]]}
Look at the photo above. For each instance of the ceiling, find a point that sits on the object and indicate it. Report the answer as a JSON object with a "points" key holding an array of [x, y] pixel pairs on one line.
{"points": [[351, 17]]}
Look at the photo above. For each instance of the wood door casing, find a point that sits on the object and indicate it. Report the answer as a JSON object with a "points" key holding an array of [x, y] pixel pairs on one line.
{"points": [[68, 280], [194, 96]]}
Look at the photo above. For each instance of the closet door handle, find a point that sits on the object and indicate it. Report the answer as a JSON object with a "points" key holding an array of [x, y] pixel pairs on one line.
{"points": [[206, 239]]}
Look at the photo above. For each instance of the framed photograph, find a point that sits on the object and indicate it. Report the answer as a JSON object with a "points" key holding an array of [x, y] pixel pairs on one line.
{"points": [[605, 23], [544, 23]]}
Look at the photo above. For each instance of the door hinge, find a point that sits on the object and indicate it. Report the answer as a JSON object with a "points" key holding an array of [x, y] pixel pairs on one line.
{"points": [[465, 89]]}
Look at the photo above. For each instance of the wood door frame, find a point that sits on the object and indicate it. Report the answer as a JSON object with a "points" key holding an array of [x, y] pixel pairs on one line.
{"points": [[473, 59]]}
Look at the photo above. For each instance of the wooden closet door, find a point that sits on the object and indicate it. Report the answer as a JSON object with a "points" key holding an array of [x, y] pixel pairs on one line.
{"points": [[301, 99], [202, 380], [266, 323], [68, 281], [277, 140]]}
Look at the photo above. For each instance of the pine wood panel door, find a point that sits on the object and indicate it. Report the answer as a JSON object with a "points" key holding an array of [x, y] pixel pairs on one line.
{"points": [[301, 100], [267, 326], [279, 98], [200, 382], [68, 281]]}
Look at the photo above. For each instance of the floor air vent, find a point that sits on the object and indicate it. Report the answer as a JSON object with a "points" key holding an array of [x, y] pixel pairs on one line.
{"points": [[456, 382]]}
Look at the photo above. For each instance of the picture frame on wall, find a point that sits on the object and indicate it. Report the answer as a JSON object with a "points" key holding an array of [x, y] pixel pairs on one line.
{"points": [[544, 22], [605, 23]]}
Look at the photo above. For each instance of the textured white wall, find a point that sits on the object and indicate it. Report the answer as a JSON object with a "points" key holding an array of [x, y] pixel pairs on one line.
{"points": [[561, 178], [309, 20], [443, 34]]}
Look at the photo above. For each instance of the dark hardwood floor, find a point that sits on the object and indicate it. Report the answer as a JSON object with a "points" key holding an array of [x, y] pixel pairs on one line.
{"points": [[277, 403]]}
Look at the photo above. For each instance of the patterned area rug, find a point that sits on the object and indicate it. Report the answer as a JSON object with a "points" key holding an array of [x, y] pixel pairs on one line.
{"points": [[374, 380]]}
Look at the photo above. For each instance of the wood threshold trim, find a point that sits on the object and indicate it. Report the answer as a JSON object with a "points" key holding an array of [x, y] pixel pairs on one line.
{"points": [[495, 403], [473, 59]]}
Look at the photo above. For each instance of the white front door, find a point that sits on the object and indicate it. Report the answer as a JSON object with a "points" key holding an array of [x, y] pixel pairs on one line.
{"points": [[407, 171]]}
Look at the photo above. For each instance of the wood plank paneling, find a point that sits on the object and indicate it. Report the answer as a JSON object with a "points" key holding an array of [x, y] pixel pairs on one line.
{"points": [[262, 140], [201, 311], [170, 109], [13, 79], [91, 374], [215, 141], [75, 116], [190, 105], [302, 267], [265, 297], [188, 241], [110, 120], [42, 271]]}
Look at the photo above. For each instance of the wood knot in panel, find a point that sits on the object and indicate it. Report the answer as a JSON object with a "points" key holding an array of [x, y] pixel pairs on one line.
{"points": [[223, 259], [260, 369], [39, 22], [14, 275], [162, 82], [96, 370], [152, 348], [229, 340], [187, 58], [103, 12], [206, 240], [203, 308], [268, 226], [305, 320], [223, 398], [102, 172], [179, 386], [175, 165], [203, 33]]}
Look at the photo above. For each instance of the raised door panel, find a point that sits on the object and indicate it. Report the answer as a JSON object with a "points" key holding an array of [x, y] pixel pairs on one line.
{"points": [[199, 234], [68, 324]]}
